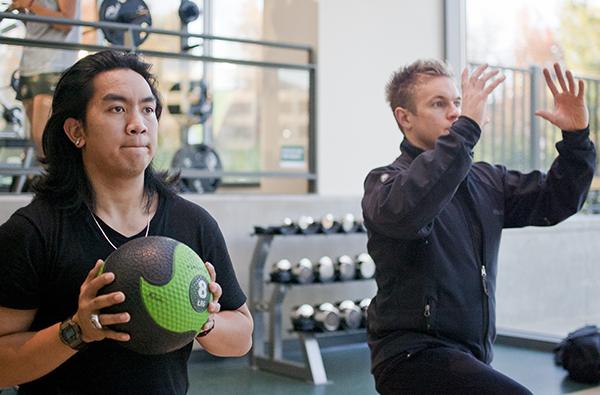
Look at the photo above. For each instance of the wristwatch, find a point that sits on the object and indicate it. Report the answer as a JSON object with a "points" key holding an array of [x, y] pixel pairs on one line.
{"points": [[70, 334]]}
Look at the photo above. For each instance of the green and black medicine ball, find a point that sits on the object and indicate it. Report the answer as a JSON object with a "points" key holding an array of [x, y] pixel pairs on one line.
{"points": [[166, 293]]}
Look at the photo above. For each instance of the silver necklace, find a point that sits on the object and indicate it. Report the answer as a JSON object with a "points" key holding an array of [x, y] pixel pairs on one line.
{"points": [[106, 237]]}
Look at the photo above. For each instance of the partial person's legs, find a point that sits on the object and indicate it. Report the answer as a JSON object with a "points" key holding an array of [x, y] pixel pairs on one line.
{"points": [[445, 371], [36, 94], [28, 105], [41, 107]]}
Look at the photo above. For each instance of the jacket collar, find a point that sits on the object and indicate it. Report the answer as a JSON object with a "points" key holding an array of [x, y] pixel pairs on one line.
{"points": [[408, 148]]}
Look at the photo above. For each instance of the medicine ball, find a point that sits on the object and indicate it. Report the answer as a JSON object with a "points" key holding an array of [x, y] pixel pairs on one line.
{"points": [[166, 293]]}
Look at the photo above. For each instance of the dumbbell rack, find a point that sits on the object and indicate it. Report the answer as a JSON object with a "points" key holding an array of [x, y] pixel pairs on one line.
{"points": [[271, 359]]}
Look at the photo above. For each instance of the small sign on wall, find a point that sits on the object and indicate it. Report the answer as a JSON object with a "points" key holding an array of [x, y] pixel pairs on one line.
{"points": [[291, 156]]}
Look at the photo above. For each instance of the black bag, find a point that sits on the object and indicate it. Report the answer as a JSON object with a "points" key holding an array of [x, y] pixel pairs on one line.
{"points": [[579, 354]]}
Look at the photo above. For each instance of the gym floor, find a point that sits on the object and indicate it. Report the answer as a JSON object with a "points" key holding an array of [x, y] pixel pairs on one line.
{"points": [[348, 370]]}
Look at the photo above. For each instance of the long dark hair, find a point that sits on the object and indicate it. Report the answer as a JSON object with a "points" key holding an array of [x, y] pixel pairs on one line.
{"points": [[64, 182]]}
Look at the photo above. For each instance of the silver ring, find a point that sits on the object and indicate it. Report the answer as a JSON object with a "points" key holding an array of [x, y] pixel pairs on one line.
{"points": [[95, 321]]}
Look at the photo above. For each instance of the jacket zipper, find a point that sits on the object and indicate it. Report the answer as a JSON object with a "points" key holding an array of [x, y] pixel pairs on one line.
{"points": [[484, 280], [478, 234], [427, 315], [486, 313]]}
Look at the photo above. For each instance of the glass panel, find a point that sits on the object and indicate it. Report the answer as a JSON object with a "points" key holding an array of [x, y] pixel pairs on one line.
{"points": [[256, 117], [548, 277]]}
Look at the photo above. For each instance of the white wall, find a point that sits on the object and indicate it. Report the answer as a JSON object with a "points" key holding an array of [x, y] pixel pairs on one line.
{"points": [[548, 277], [360, 44]]}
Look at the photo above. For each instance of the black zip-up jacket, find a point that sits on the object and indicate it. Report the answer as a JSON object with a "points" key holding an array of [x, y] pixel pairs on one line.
{"points": [[434, 220]]}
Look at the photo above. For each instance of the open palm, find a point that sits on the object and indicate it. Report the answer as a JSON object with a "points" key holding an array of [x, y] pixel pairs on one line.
{"points": [[570, 112]]}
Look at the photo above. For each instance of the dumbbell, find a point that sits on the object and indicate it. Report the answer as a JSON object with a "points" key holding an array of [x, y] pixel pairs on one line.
{"points": [[363, 304], [345, 269], [360, 225], [324, 270], [329, 224], [288, 227], [281, 271], [307, 225], [351, 314], [327, 317], [365, 267], [302, 271], [303, 318], [349, 224]]}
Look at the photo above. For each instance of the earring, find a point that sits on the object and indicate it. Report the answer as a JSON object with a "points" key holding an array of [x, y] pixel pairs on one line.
{"points": [[77, 142]]}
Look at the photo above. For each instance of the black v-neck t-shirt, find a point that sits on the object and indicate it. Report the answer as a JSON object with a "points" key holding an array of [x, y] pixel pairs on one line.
{"points": [[47, 254]]}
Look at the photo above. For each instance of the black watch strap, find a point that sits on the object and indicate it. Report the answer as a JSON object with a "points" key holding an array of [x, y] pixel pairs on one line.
{"points": [[70, 334]]}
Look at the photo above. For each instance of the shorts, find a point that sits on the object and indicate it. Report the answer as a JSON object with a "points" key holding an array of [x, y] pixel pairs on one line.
{"points": [[39, 84]]}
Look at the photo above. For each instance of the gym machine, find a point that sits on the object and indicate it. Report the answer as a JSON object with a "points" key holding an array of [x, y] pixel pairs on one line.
{"points": [[16, 150], [128, 24], [188, 101]]}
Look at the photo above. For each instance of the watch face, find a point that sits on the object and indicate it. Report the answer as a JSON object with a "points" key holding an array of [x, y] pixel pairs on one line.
{"points": [[70, 334]]}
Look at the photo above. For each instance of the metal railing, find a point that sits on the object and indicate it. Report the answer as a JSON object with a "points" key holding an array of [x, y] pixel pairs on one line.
{"points": [[515, 136]]}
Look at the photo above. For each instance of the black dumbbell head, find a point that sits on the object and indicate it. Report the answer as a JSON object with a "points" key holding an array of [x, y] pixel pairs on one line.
{"points": [[307, 225], [302, 271], [364, 303], [360, 225], [303, 311], [324, 270], [281, 271], [348, 223], [302, 318], [329, 224], [364, 307], [288, 227], [327, 317], [345, 268], [351, 314], [305, 221], [365, 267]]}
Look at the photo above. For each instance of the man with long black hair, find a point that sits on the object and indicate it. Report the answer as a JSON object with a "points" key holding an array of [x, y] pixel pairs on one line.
{"points": [[99, 191]]}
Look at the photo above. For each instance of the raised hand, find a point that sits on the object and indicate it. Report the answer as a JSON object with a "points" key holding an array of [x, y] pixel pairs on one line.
{"points": [[475, 90], [570, 112]]}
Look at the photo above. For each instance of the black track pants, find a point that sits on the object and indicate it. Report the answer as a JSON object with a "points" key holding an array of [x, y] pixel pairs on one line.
{"points": [[443, 371]]}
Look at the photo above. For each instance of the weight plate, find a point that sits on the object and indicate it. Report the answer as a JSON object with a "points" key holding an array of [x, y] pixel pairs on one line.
{"points": [[134, 12], [200, 157]]}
